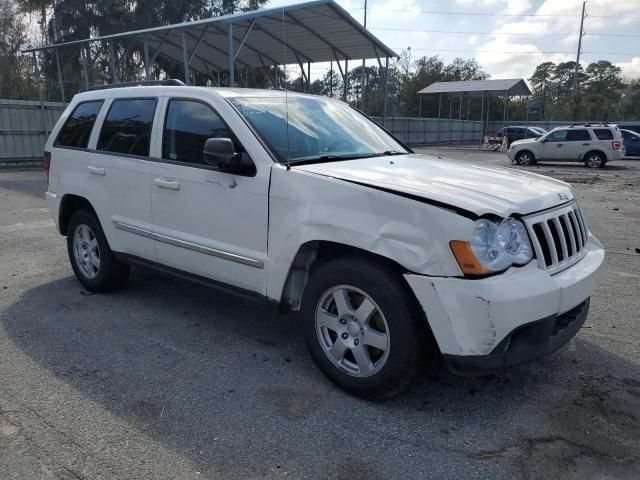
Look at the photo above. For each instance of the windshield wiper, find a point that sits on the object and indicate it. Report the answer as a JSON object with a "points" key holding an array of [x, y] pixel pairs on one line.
{"points": [[393, 152], [334, 158]]}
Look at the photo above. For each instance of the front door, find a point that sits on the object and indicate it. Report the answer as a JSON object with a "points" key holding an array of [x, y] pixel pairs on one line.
{"points": [[552, 148], [207, 222]]}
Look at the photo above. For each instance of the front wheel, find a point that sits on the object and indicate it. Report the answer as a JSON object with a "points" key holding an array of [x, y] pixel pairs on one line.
{"points": [[525, 158], [364, 328], [594, 160]]}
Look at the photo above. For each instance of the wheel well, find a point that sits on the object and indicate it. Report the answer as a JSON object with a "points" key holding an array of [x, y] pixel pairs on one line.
{"points": [[524, 150], [604, 155], [312, 255], [68, 206]]}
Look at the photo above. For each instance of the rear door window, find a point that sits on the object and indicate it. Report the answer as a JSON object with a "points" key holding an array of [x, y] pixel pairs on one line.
{"points": [[77, 129], [578, 136], [603, 133], [127, 127]]}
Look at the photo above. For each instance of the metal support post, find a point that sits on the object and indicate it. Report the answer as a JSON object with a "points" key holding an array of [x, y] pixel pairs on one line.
{"points": [[147, 65], [232, 77], [346, 78], [504, 112], [438, 124], [386, 91], [420, 106], [112, 62], [60, 84], [185, 58], [482, 117], [85, 74]]}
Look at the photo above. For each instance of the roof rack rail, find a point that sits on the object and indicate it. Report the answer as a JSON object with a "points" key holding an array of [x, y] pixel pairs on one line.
{"points": [[142, 83]]}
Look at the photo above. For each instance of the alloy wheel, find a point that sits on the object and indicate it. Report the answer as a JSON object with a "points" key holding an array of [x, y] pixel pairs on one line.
{"points": [[86, 251], [352, 331]]}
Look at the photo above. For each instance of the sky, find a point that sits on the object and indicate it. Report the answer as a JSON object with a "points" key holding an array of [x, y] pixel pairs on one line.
{"points": [[507, 37]]}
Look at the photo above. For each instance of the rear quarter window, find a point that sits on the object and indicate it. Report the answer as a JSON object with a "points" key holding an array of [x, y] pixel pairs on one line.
{"points": [[127, 127], [603, 133], [77, 129]]}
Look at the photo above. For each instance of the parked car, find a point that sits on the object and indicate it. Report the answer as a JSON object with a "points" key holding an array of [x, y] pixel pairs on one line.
{"points": [[390, 256], [633, 126], [519, 133], [631, 142], [592, 144]]}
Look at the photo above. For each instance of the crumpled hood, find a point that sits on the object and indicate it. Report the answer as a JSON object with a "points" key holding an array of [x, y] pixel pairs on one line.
{"points": [[469, 186]]}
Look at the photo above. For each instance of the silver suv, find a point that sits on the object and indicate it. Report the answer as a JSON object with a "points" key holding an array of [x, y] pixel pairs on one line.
{"points": [[593, 144]]}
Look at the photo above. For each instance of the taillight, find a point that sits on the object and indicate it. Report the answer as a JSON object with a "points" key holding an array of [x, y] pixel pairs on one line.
{"points": [[616, 145], [47, 164]]}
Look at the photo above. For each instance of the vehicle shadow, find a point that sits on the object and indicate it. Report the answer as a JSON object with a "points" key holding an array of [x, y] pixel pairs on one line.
{"points": [[190, 365]]}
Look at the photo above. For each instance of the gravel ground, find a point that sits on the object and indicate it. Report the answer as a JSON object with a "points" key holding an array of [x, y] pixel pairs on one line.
{"points": [[167, 379]]}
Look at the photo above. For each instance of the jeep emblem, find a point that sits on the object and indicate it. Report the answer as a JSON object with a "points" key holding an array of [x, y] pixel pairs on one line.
{"points": [[563, 196]]}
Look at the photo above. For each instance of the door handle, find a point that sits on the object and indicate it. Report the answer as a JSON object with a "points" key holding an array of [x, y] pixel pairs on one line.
{"points": [[96, 170], [167, 183], [586, 144], [559, 145]]}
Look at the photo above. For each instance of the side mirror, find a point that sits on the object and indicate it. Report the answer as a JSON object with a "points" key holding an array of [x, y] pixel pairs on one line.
{"points": [[219, 152]]}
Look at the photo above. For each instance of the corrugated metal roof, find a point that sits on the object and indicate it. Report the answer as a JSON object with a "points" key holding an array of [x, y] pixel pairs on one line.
{"points": [[513, 86], [317, 31]]}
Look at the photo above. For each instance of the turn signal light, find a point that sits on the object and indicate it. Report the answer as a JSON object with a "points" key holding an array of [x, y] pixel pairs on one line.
{"points": [[468, 262]]}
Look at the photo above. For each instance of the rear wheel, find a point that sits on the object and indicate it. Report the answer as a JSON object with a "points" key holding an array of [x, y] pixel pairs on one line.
{"points": [[364, 328], [594, 160], [525, 158], [91, 258]]}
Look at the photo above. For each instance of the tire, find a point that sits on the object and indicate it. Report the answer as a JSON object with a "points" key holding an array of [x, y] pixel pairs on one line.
{"points": [[525, 158], [396, 325], [91, 258], [594, 160]]}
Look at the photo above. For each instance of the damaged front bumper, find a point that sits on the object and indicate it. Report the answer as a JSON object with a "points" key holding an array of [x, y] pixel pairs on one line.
{"points": [[487, 324]]}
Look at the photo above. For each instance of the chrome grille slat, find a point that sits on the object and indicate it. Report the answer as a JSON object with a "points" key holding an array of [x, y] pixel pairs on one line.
{"points": [[559, 237]]}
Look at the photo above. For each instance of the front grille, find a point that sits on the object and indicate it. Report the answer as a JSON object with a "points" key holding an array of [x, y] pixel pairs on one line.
{"points": [[559, 237]]}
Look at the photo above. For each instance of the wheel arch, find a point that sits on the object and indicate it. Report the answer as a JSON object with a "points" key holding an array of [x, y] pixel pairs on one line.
{"points": [[312, 255], [70, 204], [595, 150]]}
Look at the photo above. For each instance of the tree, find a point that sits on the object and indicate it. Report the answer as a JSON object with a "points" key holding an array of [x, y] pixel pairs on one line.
{"points": [[15, 69]]}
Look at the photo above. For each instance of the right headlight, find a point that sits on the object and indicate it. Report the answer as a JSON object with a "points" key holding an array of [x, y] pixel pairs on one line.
{"points": [[494, 246]]}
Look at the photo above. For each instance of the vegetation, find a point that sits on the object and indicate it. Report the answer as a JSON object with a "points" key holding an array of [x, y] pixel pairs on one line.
{"points": [[602, 93]]}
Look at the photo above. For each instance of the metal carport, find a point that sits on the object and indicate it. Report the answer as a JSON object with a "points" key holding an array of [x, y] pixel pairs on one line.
{"points": [[310, 32], [505, 88]]}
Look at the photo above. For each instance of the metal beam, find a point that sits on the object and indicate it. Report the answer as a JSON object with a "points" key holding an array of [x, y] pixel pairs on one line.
{"points": [[386, 91], [253, 49], [126, 52], [279, 40], [266, 70], [346, 78], [244, 38], [163, 39], [179, 47], [301, 24], [195, 49], [304, 75]]}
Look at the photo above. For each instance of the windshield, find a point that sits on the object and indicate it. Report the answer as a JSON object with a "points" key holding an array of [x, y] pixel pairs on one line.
{"points": [[539, 130], [317, 130]]}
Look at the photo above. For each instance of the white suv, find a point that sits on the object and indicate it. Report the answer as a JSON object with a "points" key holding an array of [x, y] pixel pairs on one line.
{"points": [[303, 201], [593, 144]]}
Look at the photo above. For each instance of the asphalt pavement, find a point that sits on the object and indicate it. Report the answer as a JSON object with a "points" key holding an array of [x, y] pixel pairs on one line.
{"points": [[168, 379]]}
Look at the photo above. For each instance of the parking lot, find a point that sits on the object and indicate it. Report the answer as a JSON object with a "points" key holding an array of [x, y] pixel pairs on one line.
{"points": [[167, 379]]}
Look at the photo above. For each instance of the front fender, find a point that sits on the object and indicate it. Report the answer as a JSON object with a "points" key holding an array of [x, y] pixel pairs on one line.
{"points": [[306, 207]]}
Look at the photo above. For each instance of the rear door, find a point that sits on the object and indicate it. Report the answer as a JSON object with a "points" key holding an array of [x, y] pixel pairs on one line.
{"points": [[578, 143], [207, 222], [552, 148], [121, 165]]}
